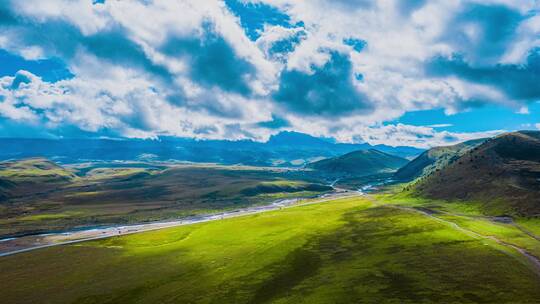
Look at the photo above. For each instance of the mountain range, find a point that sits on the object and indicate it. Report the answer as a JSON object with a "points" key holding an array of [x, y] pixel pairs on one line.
{"points": [[283, 149]]}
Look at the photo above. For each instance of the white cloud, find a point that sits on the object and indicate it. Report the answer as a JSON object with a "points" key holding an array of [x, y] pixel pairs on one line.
{"points": [[417, 136], [440, 126], [523, 110], [107, 94], [124, 102], [133, 100]]}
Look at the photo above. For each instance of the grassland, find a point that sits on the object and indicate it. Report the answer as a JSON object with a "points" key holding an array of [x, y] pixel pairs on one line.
{"points": [[37, 195], [478, 217], [33, 168], [351, 250]]}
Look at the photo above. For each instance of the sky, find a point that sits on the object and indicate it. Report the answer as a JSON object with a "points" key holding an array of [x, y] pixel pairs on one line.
{"points": [[409, 73]]}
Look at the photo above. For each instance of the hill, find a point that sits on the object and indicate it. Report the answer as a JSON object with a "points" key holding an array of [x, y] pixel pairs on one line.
{"points": [[503, 174], [34, 169], [433, 159], [31, 176], [359, 163]]}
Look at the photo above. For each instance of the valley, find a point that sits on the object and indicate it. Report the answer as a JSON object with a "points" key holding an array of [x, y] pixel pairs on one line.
{"points": [[40, 196], [340, 250], [15, 245], [269, 152], [457, 224]]}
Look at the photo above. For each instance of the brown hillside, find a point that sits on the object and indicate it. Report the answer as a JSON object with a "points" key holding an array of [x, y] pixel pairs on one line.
{"points": [[503, 173]]}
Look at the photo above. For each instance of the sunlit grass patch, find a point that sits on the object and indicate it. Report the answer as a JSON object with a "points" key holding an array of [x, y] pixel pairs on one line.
{"points": [[345, 251], [407, 199], [507, 233], [530, 224], [50, 216]]}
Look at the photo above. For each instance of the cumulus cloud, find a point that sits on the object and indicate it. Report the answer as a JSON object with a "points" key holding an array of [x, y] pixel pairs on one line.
{"points": [[330, 89], [416, 136], [211, 61], [278, 42], [515, 81], [249, 68], [482, 32], [126, 103]]}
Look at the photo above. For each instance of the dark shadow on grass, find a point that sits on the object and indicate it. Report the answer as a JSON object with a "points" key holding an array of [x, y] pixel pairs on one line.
{"points": [[298, 265]]}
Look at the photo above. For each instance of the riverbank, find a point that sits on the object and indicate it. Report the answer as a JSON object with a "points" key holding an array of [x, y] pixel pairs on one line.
{"points": [[14, 245]]}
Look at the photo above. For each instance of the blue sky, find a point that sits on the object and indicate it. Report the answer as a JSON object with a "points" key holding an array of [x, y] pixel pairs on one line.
{"points": [[478, 119], [418, 73]]}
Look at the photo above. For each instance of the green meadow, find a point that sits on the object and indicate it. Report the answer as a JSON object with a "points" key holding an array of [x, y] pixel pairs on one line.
{"points": [[350, 250], [39, 196], [473, 216]]}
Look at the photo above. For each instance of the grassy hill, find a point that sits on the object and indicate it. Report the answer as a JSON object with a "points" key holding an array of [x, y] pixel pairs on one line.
{"points": [[38, 195], [34, 169], [359, 163], [433, 159], [503, 174], [31, 176], [345, 251]]}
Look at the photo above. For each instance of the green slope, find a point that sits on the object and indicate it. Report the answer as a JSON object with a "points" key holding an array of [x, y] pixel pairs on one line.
{"points": [[433, 159], [346, 251], [38, 195], [31, 176], [34, 170], [359, 163], [503, 174]]}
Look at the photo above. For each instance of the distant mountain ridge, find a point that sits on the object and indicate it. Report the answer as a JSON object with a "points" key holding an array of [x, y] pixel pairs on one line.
{"points": [[287, 138], [283, 149], [359, 163]]}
